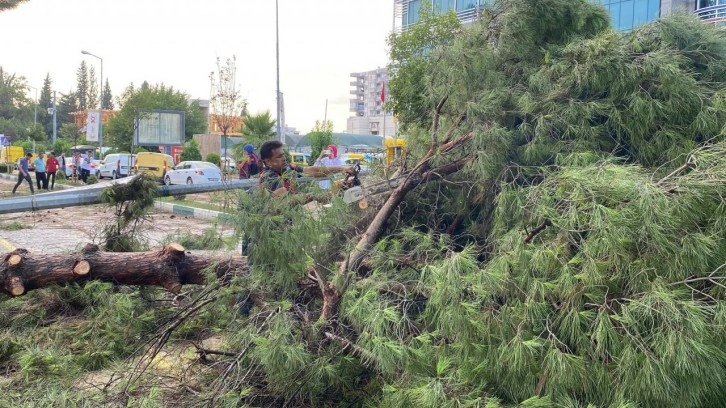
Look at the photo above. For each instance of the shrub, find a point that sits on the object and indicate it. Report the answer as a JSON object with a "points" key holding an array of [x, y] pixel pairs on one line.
{"points": [[213, 158]]}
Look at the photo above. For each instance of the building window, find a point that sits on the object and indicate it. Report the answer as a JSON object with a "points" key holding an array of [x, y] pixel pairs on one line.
{"points": [[462, 5], [442, 6]]}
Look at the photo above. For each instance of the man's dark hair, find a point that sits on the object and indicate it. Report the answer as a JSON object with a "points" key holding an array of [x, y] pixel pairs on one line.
{"points": [[28, 154], [268, 147]]}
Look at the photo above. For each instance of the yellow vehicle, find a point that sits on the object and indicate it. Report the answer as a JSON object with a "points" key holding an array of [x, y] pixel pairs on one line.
{"points": [[299, 159], [355, 158], [155, 164], [395, 148], [11, 154]]}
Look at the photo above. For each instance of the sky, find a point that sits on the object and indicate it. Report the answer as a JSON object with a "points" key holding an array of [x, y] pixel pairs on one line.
{"points": [[177, 43]]}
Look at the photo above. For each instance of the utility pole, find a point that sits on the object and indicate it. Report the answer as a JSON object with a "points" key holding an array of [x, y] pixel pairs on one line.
{"points": [[35, 115], [280, 137], [54, 116]]}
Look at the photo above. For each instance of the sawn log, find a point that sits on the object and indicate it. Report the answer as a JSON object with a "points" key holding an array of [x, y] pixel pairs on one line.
{"points": [[169, 267]]}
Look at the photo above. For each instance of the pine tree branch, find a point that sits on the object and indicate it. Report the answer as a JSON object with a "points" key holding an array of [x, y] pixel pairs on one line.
{"points": [[690, 162], [536, 231]]}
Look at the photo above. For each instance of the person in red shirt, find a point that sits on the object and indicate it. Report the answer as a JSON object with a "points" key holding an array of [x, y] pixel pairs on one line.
{"points": [[51, 166]]}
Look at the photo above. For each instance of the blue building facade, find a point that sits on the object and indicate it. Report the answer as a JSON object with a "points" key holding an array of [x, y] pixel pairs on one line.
{"points": [[625, 15]]}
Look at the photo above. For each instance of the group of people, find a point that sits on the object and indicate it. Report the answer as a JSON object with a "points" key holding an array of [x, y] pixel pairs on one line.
{"points": [[46, 169]]}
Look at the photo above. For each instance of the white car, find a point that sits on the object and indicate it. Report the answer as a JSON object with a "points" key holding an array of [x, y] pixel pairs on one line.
{"points": [[117, 165], [193, 172]]}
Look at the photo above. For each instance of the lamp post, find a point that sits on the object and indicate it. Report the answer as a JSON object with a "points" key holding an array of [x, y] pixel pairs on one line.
{"points": [[280, 137], [100, 122], [35, 115]]}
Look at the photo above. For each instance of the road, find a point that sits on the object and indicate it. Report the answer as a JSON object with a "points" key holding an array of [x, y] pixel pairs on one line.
{"points": [[64, 230]]}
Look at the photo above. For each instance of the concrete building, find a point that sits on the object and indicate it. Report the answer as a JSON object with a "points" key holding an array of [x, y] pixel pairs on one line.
{"points": [[625, 14], [368, 93]]}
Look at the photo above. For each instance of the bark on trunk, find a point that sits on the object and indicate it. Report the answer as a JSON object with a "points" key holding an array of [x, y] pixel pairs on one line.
{"points": [[169, 267]]}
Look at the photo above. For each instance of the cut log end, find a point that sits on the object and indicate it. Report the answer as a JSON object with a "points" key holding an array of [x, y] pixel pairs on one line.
{"points": [[175, 248], [14, 260], [82, 268], [173, 287], [15, 286]]}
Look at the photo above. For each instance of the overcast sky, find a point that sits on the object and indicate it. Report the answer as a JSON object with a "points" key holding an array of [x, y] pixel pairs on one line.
{"points": [[177, 43]]}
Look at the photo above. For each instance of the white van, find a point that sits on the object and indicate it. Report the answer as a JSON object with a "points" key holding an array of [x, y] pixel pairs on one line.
{"points": [[117, 165]]}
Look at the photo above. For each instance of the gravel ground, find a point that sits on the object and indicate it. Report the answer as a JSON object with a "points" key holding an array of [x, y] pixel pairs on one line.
{"points": [[67, 229]]}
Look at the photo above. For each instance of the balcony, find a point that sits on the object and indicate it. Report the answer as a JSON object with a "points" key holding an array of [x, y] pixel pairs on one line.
{"points": [[712, 14]]}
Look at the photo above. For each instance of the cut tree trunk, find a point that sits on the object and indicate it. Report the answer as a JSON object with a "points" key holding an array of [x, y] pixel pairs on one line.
{"points": [[169, 267]]}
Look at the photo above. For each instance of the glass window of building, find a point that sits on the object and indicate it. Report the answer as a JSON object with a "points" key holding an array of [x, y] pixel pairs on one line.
{"points": [[462, 5], [626, 15], [442, 6], [414, 6]]}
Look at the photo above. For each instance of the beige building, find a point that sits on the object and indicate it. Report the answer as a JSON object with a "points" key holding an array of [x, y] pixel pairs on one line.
{"points": [[369, 90]]}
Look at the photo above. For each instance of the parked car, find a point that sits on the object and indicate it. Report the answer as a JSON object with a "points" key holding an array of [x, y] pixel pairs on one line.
{"points": [[117, 165], [96, 168], [70, 167], [155, 164], [229, 164], [193, 172], [299, 159]]}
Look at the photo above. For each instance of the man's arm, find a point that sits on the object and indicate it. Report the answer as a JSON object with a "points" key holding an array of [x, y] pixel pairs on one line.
{"points": [[317, 171]]}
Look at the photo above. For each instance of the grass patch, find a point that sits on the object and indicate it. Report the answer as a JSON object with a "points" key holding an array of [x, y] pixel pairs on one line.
{"points": [[12, 226], [210, 239]]}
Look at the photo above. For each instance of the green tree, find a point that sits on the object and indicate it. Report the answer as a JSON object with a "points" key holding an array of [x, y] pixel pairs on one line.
{"points": [[67, 103], [320, 137], [411, 63], [13, 98], [92, 96], [45, 102], [10, 4], [256, 129], [191, 151], [107, 103], [82, 86], [135, 102]]}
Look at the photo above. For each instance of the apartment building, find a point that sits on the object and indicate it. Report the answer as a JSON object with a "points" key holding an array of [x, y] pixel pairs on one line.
{"points": [[369, 91]]}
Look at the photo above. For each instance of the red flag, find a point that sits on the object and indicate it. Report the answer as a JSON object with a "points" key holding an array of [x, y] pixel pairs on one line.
{"points": [[383, 92]]}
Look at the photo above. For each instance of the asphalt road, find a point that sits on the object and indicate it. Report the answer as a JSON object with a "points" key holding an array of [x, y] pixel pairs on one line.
{"points": [[68, 229]]}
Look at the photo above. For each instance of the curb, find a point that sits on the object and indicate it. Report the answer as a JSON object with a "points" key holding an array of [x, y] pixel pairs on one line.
{"points": [[193, 212]]}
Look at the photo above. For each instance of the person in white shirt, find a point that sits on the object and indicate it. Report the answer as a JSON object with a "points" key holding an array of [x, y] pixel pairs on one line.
{"points": [[86, 159], [328, 157]]}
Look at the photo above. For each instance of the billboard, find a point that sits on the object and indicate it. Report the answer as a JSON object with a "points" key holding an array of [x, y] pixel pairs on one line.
{"points": [[160, 128]]}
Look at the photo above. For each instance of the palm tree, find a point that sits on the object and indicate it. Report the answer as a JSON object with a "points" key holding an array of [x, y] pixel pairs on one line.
{"points": [[256, 129]]}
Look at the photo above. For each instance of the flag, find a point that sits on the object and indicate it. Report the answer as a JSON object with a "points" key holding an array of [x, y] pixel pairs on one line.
{"points": [[92, 125], [383, 93]]}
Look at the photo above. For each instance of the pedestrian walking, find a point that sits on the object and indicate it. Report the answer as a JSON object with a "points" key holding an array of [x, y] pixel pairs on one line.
{"points": [[24, 173], [40, 176], [51, 166]]}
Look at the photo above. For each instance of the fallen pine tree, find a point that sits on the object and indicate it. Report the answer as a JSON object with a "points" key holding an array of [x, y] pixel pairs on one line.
{"points": [[558, 243]]}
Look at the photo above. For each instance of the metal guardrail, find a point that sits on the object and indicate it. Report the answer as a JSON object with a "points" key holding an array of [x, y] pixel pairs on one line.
{"points": [[91, 194]]}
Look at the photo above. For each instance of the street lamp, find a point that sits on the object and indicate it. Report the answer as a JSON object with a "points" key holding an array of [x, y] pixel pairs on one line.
{"points": [[280, 137], [100, 122], [35, 115]]}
